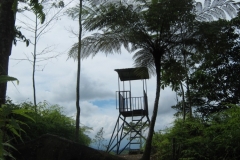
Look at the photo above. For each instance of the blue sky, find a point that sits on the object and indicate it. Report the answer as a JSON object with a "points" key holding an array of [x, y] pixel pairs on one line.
{"points": [[103, 103]]}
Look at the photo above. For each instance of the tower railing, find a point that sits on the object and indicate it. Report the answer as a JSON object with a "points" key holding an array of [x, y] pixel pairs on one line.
{"points": [[126, 103]]}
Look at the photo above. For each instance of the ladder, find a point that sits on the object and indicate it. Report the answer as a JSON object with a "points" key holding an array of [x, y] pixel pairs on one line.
{"points": [[135, 144]]}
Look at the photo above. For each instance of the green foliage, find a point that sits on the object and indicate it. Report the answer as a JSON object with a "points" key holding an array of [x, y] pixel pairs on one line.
{"points": [[211, 70], [8, 125], [217, 138], [215, 82], [37, 8], [5, 78], [10, 128], [34, 5], [173, 74], [19, 36], [48, 119]]}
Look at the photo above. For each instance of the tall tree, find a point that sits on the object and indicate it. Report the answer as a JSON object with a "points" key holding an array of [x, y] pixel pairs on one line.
{"points": [[206, 54], [215, 82], [78, 71], [7, 22], [8, 33], [76, 12], [177, 71], [35, 27], [38, 32]]}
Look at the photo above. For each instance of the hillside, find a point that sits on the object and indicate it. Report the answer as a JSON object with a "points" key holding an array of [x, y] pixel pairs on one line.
{"points": [[51, 147]]}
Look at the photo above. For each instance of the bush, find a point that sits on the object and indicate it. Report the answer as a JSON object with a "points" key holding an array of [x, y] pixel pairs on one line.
{"points": [[217, 138], [49, 119], [10, 128]]}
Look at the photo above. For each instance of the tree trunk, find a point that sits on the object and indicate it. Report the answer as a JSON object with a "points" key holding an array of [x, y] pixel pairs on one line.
{"points": [[7, 22], [147, 151], [187, 83], [78, 73], [189, 98], [34, 64], [183, 101]]}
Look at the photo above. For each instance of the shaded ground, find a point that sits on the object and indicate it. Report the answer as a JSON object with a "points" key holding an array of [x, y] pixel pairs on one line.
{"points": [[131, 157], [136, 157], [51, 147]]}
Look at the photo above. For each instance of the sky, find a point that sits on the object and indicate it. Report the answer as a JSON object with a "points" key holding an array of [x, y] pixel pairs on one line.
{"points": [[56, 79]]}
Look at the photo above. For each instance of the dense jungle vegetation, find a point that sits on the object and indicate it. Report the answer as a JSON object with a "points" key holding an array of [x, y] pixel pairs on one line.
{"points": [[216, 137]]}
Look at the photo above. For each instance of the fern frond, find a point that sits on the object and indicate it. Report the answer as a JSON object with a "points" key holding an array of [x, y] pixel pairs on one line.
{"points": [[23, 113], [214, 14], [107, 43], [207, 4], [219, 9], [231, 10], [220, 12], [198, 8], [73, 12], [5, 152], [73, 52], [143, 58]]}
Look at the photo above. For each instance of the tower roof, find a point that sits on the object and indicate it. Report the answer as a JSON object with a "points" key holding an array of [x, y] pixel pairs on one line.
{"points": [[128, 74]]}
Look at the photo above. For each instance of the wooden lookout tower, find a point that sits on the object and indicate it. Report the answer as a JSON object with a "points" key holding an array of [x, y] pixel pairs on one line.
{"points": [[133, 112]]}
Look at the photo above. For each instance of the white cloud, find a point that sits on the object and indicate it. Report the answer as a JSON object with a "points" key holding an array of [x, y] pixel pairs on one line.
{"points": [[56, 83]]}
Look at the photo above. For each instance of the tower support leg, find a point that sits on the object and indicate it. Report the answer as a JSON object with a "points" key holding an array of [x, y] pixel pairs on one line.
{"points": [[119, 134]]}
